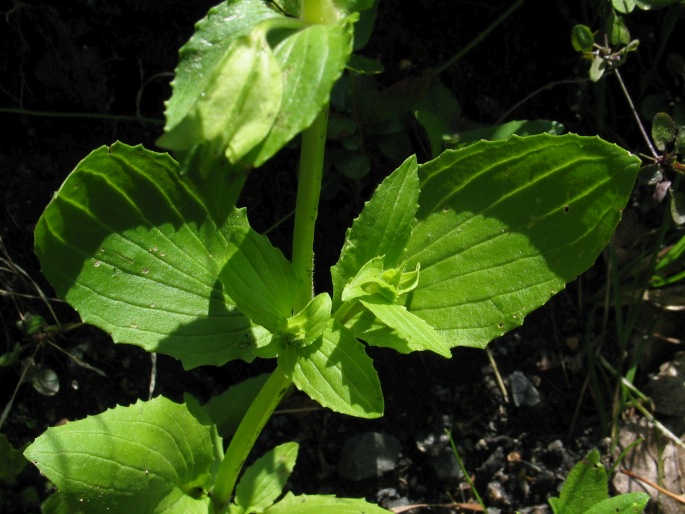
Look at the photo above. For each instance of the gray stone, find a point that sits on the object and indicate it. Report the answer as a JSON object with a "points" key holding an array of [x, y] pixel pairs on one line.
{"points": [[368, 455], [447, 467], [523, 391]]}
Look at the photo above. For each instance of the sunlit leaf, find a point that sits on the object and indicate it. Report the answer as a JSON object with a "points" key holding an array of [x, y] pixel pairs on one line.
{"points": [[585, 486], [504, 225], [203, 52], [263, 482], [336, 372], [151, 457], [310, 60], [415, 333], [318, 504], [382, 228]]}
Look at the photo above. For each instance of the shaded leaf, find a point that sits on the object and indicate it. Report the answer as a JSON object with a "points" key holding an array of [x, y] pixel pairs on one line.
{"points": [[12, 461], [227, 409], [132, 247], [617, 30], [663, 130], [506, 130], [257, 277], [582, 38]]}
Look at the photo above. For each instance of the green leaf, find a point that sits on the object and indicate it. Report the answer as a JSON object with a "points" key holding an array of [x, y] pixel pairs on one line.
{"points": [[150, 457], [364, 65], [264, 480], [227, 409], [438, 112], [582, 38], [10, 357], [663, 130], [203, 52], [318, 504], [623, 6], [629, 503], [585, 486], [354, 166], [677, 206], [654, 4], [415, 333], [617, 30], [336, 372], [435, 130], [58, 503], [311, 61], [12, 461], [370, 275], [597, 68], [383, 227], [309, 324], [363, 29], [506, 130], [352, 6], [132, 247], [257, 277], [238, 106], [504, 225]]}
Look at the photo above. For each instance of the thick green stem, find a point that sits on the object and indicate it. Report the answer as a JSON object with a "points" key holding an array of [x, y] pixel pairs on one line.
{"points": [[245, 437], [308, 192], [306, 211]]}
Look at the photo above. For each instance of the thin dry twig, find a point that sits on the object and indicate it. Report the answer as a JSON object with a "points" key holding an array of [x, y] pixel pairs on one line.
{"points": [[677, 497]]}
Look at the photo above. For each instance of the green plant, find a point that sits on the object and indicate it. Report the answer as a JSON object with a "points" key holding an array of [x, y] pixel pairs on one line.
{"points": [[152, 249], [586, 491], [652, 260]]}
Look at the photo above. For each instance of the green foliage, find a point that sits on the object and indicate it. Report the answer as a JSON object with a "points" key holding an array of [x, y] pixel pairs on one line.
{"points": [[12, 461], [129, 243], [150, 457], [486, 261], [586, 491], [263, 482], [453, 252]]}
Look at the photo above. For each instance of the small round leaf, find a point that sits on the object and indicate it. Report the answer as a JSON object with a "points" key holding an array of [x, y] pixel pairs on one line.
{"points": [[582, 38], [663, 130]]}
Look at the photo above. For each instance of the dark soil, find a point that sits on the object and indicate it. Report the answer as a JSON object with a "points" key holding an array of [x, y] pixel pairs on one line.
{"points": [[103, 60]]}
